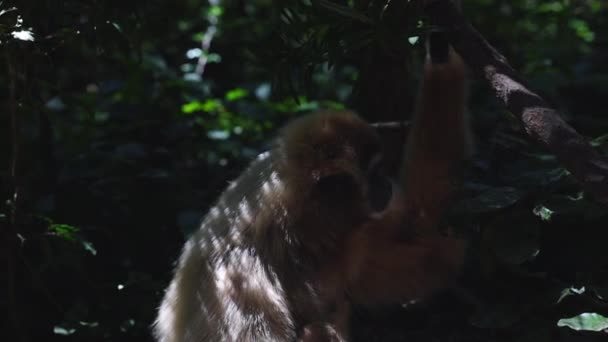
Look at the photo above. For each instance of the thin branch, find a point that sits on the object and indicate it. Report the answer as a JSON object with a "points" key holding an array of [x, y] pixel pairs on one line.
{"points": [[401, 125], [540, 121], [11, 231], [207, 39]]}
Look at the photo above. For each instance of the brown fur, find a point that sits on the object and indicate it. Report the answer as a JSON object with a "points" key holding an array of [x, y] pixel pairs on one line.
{"points": [[250, 272], [294, 241], [403, 256]]}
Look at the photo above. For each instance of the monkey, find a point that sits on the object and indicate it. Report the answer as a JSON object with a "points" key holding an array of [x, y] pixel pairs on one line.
{"points": [[313, 227], [251, 272], [403, 256]]}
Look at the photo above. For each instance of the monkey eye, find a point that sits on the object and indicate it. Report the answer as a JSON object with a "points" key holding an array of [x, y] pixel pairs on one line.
{"points": [[380, 191]]}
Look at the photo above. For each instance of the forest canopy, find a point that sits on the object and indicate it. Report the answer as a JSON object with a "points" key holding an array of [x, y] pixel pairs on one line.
{"points": [[122, 121]]}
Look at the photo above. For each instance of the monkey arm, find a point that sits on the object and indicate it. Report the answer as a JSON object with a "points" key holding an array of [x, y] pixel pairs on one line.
{"points": [[439, 139], [390, 270], [390, 261]]}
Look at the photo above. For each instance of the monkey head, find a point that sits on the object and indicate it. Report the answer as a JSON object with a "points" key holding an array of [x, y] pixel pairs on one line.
{"points": [[333, 160]]}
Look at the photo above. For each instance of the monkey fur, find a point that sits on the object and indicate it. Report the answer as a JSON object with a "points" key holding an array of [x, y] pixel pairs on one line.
{"points": [[402, 255], [312, 227]]}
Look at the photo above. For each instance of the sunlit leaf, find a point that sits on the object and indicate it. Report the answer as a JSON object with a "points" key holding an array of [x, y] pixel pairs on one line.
{"points": [[543, 212], [116, 26], [553, 6], [212, 105], [65, 231], [600, 141], [595, 5], [89, 324], [215, 11], [192, 77], [218, 135], [25, 35], [236, 94], [55, 104], [194, 53], [571, 291], [88, 246], [101, 116], [263, 91], [9, 17], [58, 330], [413, 40], [213, 57], [127, 325], [6, 11], [587, 321], [582, 30]]}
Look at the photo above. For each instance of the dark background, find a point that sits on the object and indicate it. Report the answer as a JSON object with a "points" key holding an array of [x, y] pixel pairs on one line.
{"points": [[127, 118]]}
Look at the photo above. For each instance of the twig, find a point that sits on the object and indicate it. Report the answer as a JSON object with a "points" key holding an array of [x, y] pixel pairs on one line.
{"points": [[391, 125], [207, 39], [11, 231]]}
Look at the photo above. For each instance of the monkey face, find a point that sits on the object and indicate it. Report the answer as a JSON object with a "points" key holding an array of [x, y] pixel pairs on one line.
{"points": [[336, 158]]}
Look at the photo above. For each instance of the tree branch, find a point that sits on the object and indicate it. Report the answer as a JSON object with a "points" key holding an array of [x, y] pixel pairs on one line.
{"points": [[10, 232], [539, 119]]}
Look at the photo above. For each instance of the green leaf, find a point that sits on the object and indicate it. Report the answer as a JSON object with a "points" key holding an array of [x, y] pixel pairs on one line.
{"points": [[65, 231], [70, 233], [571, 291], [191, 107], [9, 18], [57, 330], [88, 246], [89, 324], [587, 321], [543, 212], [236, 94], [413, 40], [209, 105], [215, 11], [116, 26], [25, 35], [212, 105], [582, 30], [218, 134], [600, 141], [551, 7]]}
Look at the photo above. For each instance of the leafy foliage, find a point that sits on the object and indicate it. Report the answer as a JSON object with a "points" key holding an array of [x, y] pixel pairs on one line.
{"points": [[132, 115], [585, 321]]}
